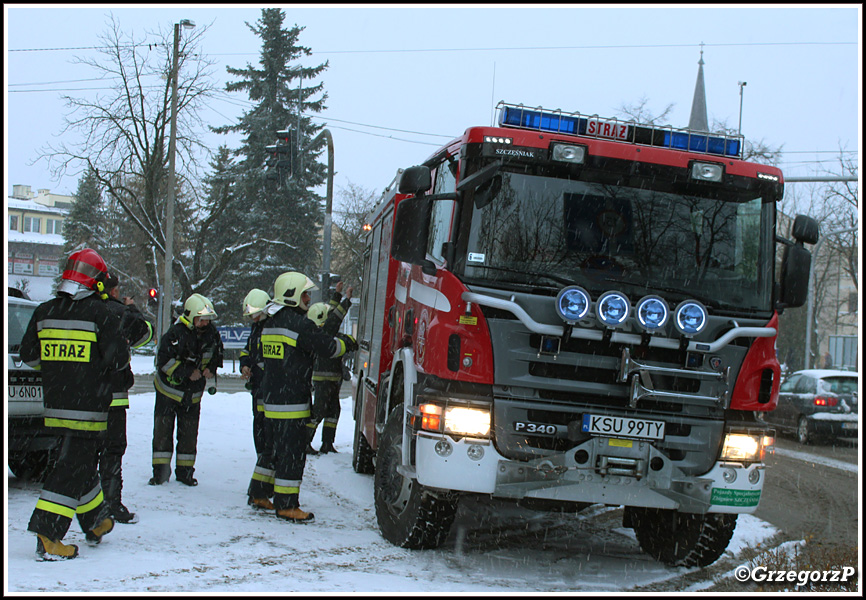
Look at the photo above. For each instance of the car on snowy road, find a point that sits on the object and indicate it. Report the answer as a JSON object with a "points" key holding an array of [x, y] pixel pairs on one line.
{"points": [[817, 404], [31, 446]]}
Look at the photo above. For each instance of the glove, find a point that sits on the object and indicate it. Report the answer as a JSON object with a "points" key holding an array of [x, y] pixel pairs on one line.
{"points": [[351, 344]]}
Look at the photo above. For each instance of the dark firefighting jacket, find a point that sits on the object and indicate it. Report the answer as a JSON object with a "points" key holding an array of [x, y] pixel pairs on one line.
{"points": [[328, 368], [251, 355], [290, 343], [77, 344], [137, 331], [183, 349]]}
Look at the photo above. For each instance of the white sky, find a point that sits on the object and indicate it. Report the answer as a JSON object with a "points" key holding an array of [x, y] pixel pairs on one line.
{"points": [[404, 79]]}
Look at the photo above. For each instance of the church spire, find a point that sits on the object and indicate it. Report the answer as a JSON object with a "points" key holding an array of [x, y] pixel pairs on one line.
{"points": [[698, 119]]}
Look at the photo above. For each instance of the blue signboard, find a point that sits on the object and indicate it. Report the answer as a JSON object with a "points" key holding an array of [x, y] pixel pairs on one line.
{"points": [[234, 337]]}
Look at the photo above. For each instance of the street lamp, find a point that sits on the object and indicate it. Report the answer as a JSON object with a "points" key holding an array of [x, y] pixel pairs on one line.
{"points": [[742, 84], [167, 294]]}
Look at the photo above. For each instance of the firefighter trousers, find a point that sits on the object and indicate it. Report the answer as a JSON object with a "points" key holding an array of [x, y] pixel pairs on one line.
{"points": [[111, 457], [326, 410], [165, 412], [262, 481], [289, 444], [71, 489]]}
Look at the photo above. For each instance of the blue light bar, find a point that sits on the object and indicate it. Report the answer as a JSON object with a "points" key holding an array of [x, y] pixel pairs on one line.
{"points": [[576, 124]]}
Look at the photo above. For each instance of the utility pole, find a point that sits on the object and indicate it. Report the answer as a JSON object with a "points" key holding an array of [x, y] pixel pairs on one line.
{"points": [[167, 294]]}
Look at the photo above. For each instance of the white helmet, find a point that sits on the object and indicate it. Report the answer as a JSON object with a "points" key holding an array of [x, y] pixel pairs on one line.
{"points": [[198, 306], [289, 287], [255, 301], [318, 313]]}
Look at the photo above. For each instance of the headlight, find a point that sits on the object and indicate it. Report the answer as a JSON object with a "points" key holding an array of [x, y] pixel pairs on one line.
{"points": [[690, 317], [572, 304], [745, 447], [707, 171], [612, 308], [456, 420], [651, 313], [568, 153]]}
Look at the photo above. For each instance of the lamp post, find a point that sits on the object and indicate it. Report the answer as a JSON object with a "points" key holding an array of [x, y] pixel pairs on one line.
{"points": [[742, 84], [167, 294]]}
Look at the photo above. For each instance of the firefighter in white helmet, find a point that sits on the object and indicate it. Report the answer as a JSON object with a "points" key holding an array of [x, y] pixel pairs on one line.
{"points": [[188, 357], [261, 487], [290, 343], [328, 372]]}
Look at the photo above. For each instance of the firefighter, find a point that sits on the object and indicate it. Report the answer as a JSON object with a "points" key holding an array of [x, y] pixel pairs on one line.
{"points": [[328, 372], [137, 331], [261, 487], [290, 343], [188, 357], [75, 340]]}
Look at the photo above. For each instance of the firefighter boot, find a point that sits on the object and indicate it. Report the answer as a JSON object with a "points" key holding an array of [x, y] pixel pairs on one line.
{"points": [[327, 447], [260, 503], [161, 474], [47, 549], [295, 515], [95, 535], [311, 433], [112, 489], [184, 476]]}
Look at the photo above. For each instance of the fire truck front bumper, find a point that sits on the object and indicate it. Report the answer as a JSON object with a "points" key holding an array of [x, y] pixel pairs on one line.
{"points": [[601, 470]]}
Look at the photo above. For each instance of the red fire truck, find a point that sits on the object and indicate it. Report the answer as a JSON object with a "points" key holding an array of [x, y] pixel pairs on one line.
{"points": [[566, 310]]}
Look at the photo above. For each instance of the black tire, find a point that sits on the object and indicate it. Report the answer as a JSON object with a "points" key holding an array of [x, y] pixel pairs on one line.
{"points": [[362, 454], [683, 539], [409, 515], [804, 431], [32, 466]]}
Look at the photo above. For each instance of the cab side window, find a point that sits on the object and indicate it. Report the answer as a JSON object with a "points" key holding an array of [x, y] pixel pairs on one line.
{"points": [[443, 211]]}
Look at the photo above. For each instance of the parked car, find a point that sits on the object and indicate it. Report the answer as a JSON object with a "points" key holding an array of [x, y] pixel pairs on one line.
{"points": [[817, 403], [31, 446]]}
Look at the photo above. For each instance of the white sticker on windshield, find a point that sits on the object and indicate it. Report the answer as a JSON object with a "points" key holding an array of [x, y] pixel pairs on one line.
{"points": [[476, 257]]}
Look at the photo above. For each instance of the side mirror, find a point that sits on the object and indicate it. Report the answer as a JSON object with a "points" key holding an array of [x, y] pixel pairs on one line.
{"points": [[411, 224], [796, 267], [415, 180], [805, 230]]}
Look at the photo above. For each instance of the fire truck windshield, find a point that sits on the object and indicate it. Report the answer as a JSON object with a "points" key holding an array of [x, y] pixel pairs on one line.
{"points": [[544, 231]]}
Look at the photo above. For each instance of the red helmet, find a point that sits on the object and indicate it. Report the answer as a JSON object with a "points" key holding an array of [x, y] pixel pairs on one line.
{"points": [[86, 268]]}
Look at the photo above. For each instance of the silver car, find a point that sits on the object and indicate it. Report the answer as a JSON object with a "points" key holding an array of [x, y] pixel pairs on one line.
{"points": [[817, 403]]}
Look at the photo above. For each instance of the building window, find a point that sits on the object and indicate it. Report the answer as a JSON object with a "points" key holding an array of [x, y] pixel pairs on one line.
{"points": [[48, 269], [32, 225], [54, 226], [13, 222]]}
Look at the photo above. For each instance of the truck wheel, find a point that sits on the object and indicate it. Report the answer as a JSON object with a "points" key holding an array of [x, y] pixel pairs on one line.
{"points": [[32, 466], [682, 539], [409, 515], [362, 454], [804, 431]]}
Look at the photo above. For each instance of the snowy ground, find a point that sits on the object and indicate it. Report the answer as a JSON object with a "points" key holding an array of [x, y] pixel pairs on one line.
{"points": [[207, 540]]}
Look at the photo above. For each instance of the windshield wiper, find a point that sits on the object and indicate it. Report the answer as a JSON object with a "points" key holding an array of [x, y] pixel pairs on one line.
{"points": [[556, 278]]}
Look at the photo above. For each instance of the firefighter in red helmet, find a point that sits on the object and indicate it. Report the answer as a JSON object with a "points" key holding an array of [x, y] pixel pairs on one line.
{"points": [[76, 342]]}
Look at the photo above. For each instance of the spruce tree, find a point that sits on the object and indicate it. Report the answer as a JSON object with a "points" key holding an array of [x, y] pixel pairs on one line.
{"points": [[83, 226], [284, 217]]}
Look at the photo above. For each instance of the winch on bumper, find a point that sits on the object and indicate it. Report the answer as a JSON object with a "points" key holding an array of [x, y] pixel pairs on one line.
{"points": [[601, 470]]}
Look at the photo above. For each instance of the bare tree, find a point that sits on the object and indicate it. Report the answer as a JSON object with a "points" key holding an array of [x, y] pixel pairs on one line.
{"points": [[641, 114], [349, 236], [122, 137], [841, 199]]}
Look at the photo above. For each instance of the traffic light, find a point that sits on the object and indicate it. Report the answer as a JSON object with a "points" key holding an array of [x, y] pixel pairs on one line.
{"points": [[153, 297], [282, 157]]}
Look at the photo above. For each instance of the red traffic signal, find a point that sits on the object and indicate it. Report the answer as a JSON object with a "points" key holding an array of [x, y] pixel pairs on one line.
{"points": [[153, 295]]}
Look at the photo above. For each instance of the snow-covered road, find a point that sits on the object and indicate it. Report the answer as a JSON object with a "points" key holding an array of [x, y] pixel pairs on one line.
{"points": [[207, 540]]}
